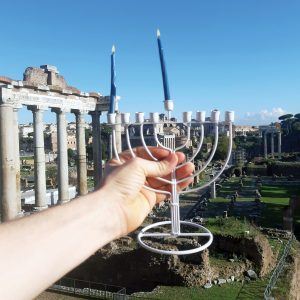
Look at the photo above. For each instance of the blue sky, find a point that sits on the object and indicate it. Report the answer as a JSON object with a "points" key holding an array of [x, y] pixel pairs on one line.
{"points": [[226, 54]]}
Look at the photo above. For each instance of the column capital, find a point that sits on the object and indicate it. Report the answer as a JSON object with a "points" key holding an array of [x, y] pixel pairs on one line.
{"points": [[6, 94], [34, 108], [17, 106], [60, 110], [95, 113], [79, 111]]}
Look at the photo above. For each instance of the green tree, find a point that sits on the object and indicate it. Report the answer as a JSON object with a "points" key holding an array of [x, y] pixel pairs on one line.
{"points": [[286, 116], [222, 149], [297, 116], [296, 126], [71, 156]]}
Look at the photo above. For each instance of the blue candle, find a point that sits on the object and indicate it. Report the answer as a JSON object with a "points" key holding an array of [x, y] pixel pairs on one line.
{"points": [[163, 67], [113, 89]]}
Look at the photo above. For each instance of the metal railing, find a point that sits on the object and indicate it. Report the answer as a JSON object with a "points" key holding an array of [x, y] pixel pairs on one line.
{"points": [[89, 289], [278, 268]]}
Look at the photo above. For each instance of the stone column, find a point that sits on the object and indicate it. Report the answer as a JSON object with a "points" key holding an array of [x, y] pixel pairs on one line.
{"points": [[8, 191], [39, 158], [17, 160], [279, 144], [272, 144], [81, 153], [62, 154], [97, 147], [265, 144]]}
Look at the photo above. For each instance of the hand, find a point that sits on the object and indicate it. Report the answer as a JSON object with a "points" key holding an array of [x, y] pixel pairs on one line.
{"points": [[125, 181]]}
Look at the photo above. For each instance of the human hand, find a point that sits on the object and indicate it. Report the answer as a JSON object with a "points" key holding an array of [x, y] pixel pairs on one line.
{"points": [[125, 180]]}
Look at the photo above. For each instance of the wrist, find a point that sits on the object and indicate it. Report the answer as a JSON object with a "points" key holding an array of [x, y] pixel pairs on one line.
{"points": [[110, 217]]}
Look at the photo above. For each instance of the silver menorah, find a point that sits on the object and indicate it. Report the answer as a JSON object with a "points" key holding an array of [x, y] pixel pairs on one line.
{"points": [[187, 121]]}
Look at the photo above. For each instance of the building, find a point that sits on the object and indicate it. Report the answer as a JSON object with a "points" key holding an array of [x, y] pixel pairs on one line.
{"points": [[244, 130], [25, 130], [51, 142]]}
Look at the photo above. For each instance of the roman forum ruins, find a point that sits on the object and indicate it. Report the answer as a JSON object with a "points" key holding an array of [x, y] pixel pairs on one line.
{"points": [[44, 89], [271, 131]]}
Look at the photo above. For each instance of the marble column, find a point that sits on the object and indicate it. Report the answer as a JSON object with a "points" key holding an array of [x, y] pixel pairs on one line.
{"points": [[279, 144], [17, 160], [8, 191], [272, 144], [97, 147], [39, 158], [265, 144], [62, 154], [81, 153]]}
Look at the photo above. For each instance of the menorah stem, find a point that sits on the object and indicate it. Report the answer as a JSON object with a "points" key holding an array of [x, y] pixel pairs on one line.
{"points": [[175, 212], [169, 115], [114, 142]]}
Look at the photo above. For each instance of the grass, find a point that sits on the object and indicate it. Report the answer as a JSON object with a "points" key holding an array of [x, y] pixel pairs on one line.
{"points": [[225, 292], [279, 191], [27, 157], [230, 227], [274, 198], [252, 290], [272, 215]]}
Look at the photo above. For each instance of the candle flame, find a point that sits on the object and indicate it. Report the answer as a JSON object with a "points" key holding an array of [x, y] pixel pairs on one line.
{"points": [[113, 49], [158, 33]]}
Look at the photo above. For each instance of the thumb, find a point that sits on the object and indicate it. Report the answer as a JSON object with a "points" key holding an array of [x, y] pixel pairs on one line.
{"points": [[161, 168]]}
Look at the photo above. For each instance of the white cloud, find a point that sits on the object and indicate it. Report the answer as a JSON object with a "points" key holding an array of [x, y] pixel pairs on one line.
{"points": [[262, 117]]}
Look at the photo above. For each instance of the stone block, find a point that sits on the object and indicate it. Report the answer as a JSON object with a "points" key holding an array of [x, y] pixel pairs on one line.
{"points": [[43, 87], [54, 88], [49, 68], [94, 95], [29, 85], [74, 90], [251, 274], [67, 92], [4, 79], [56, 80], [35, 76]]}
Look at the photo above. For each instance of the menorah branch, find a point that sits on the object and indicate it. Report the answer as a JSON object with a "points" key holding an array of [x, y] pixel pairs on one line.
{"points": [[175, 221]]}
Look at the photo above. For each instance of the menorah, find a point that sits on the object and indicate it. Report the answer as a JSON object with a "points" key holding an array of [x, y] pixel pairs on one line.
{"points": [[187, 121]]}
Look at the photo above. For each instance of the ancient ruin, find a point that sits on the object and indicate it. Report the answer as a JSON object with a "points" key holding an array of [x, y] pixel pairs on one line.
{"points": [[44, 89], [271, 131]]}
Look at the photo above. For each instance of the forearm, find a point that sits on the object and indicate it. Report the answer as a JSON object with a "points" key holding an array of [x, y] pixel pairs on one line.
{"points": [[36, 251]]}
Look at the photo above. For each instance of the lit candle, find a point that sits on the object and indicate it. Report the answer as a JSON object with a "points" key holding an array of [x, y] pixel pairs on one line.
{"points": [[112, 85], [163, 67]]}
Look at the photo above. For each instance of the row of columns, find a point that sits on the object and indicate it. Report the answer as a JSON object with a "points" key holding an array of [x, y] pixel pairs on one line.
{"points": [[272, 144], [10, 197]]}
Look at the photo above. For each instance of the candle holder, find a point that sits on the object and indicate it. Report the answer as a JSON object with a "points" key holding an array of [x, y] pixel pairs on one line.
{"points": [[175, 223]]}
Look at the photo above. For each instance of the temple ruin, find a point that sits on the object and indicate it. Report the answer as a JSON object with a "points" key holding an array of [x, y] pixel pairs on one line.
{"points": [[44, 89]]}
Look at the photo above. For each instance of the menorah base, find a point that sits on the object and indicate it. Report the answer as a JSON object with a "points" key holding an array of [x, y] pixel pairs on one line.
{"points": [[205, 233]]}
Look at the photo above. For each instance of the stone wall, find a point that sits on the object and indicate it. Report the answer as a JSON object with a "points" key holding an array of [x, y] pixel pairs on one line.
{"points": [[124, 263], [295, 282], [256, 250]]}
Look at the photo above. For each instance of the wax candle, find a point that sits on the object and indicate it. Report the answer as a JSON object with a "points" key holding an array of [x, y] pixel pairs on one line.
{"points": [[163, 67], [113, 89]]}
